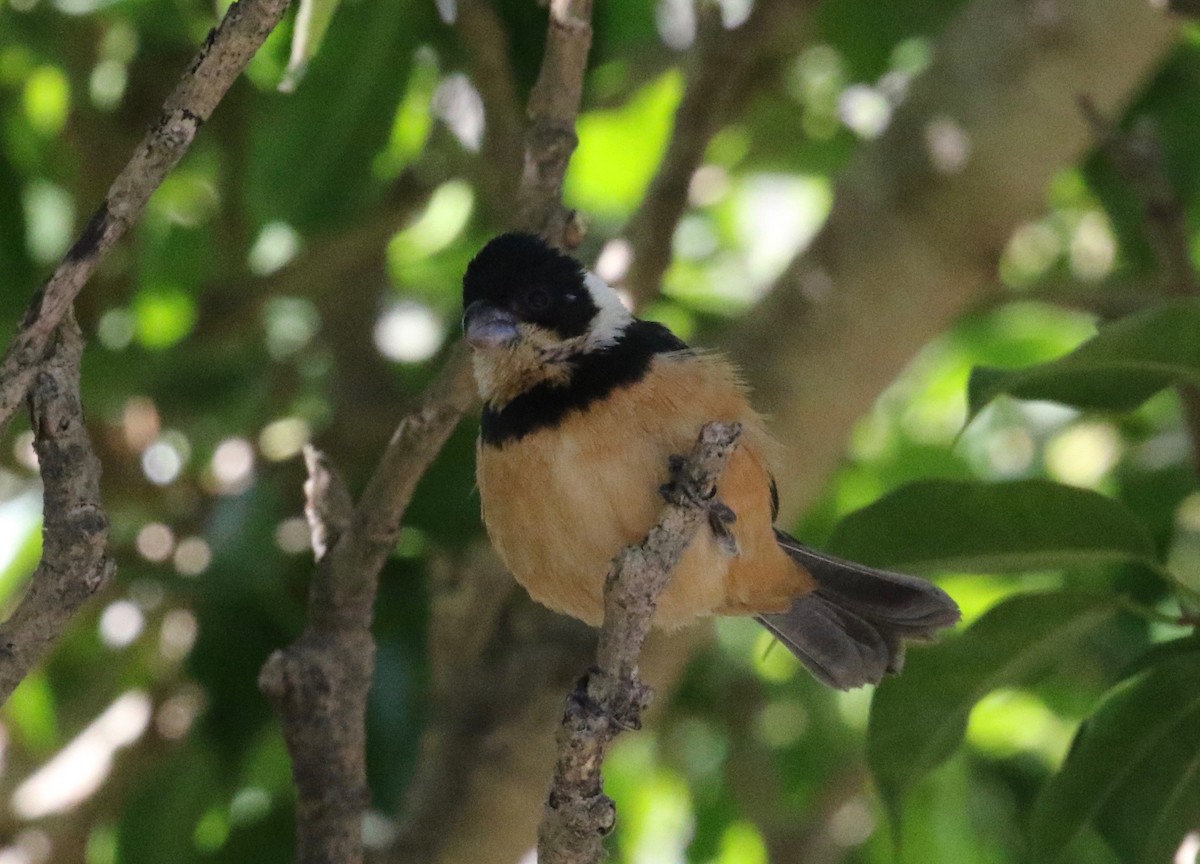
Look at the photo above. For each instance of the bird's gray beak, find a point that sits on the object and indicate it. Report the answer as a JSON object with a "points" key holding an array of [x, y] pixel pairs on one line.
{"points": [[489, 327]]}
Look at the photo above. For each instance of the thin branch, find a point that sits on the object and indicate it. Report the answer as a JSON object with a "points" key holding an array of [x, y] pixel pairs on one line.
{"points": [[222, 58], [720, 82], [486, 45], [611, 697], [1108, 300], [553, 107], [1138, 157], [75, 562]]}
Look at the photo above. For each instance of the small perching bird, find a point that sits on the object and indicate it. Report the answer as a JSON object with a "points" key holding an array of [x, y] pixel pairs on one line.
{"points": [[584, 408]]}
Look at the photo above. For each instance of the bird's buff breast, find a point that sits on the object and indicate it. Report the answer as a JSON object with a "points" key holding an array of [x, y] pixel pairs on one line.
{"points": [[559, 504]]}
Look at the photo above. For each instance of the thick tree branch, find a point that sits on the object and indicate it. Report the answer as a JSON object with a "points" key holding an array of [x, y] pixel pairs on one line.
{"points": [[611, 697], [222, 58], [75, 562], [720, 82], [909, 245], [553, 107], [319, 684]]}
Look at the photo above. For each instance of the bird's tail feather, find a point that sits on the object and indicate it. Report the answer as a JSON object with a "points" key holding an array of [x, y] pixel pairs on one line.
{"points": [[850, 631]]}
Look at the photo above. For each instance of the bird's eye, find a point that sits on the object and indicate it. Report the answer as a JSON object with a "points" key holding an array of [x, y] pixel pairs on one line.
{"points": [[537, 299]]}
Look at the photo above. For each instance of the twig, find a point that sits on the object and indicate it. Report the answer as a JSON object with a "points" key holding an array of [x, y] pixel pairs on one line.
{"points": [[1138, 157], [1108, 300], [75, 562], [611, 697], [553, 106], [222, 58], [719, 84], [319, 684], [486, 43]]}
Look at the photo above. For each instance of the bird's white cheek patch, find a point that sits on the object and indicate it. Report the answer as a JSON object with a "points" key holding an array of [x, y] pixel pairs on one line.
{"points": [[611, 318]]}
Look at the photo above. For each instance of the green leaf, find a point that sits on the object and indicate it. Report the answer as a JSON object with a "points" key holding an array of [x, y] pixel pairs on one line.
{"points": [[989, 527], [15, 575], [1116, 370], [32, 713], [919, 718], [1134, 770], [311, 153], [608, 177]]}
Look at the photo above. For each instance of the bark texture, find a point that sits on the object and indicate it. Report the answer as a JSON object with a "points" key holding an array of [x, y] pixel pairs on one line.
{"points": [[75, 563]]}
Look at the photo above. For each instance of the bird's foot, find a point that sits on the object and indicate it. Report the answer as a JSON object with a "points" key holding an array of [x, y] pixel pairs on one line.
{"points": [[682, 490]]}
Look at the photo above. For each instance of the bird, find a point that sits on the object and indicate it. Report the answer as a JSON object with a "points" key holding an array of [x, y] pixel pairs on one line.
{"points": [[584, 408]]}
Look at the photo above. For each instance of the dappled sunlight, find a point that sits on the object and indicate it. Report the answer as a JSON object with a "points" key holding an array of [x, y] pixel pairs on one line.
{"points": [[293, 536], [778, 217], [613, 261], [1093, 247], [657, 811], [865, 110], [177, 714], [408, 333], [162, 462], [121, 623], [116, 329], [456, 103], [290, 323], [75, 773], [948, 145], [1007, 722], [284, 438], [232, 467], [1189, 850], [1083, 454], [177, 635], [274, 248], [773, 662]]}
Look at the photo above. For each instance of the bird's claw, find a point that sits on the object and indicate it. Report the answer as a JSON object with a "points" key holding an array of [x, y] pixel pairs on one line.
{"points": [[681, 490]]}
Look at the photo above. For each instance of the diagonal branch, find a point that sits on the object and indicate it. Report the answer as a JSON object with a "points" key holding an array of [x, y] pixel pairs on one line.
{"points": [[75, 562], [486, 44], [611, 697], [721, 80], [222, 58]]}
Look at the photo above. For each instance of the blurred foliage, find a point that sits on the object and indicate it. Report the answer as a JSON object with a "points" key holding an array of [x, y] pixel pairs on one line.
{"points": [[296, 278]]}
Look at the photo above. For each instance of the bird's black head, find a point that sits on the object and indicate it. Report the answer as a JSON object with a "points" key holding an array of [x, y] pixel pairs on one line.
{"points": [[518, 279]]}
